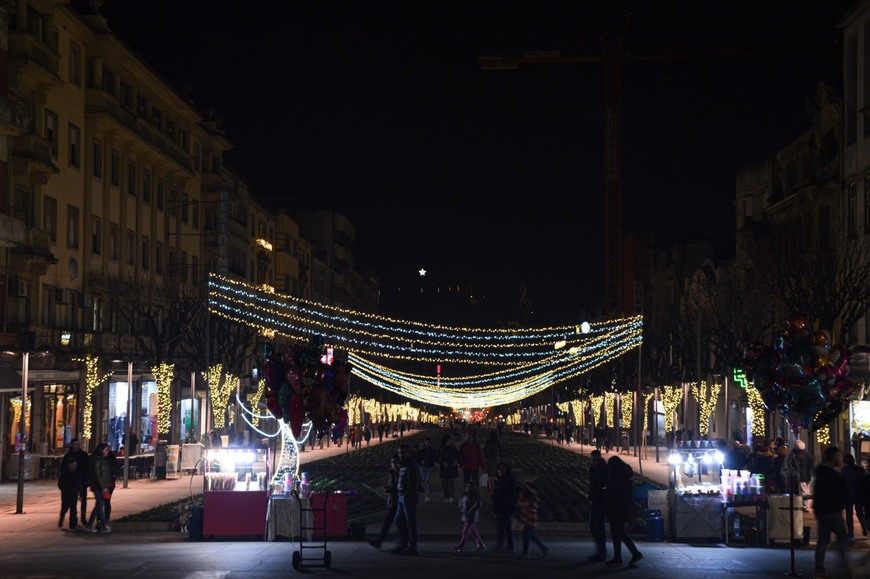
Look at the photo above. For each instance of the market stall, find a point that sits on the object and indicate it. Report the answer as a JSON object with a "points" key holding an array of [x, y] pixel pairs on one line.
{"points": [[235, 494], [698, 512]]}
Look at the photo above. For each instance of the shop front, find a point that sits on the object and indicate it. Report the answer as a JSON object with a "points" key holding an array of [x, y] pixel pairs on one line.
{"points": [[148, 416], [859, 420], [60, 406]]}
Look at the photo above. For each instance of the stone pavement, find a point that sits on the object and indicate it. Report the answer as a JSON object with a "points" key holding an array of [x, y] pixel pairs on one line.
{"points": [[33, 546]]}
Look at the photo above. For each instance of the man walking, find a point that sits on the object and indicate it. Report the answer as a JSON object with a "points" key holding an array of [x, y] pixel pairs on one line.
{"points": [[829, 500], [598, 505], [76, 453], [407, 486]]}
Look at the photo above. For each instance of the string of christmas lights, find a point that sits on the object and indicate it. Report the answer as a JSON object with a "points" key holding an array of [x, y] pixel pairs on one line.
{"points": [[220, 387], [707, 400], [163, 374], [672, 396], [627, 401], [93, 378], [756, 403]]}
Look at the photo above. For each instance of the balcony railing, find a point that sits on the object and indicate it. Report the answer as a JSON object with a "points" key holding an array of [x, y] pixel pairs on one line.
{"points": [[22, 45]]}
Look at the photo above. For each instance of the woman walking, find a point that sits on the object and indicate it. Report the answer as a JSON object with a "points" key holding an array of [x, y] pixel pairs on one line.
{"points": [[448, 467], [620, 509]]}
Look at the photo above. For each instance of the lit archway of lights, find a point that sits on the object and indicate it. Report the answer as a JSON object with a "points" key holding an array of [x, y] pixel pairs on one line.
{"points": [[288, 452], [531, 360]]}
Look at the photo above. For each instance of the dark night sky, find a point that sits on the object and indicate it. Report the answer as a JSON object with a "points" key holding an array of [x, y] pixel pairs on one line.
{"points": [[493, 178]]}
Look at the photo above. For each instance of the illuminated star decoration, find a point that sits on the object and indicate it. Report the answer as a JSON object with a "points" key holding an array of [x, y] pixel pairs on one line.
{"points": [[422, 272]]}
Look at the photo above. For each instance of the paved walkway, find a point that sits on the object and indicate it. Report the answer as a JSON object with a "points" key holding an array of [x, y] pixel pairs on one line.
{"points": [[33, 546]]}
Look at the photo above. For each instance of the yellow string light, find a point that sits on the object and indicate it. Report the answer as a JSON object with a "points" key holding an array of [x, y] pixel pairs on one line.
{"points": [[823, 434], [672, 396], [220, 387], [254, 400], [646, 399], [163, 375], [596, 402], [609, 401], [627, 401], [756, 403], [93, 378], [707, 400]]}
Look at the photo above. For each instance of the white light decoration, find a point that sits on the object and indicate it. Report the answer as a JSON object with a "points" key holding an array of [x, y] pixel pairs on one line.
{"points": [[527, 361]]}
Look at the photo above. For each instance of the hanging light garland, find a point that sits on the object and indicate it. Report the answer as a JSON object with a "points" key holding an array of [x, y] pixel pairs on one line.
{"points": [[707, 400], [93, 378], [672, 396], [163, 374]]}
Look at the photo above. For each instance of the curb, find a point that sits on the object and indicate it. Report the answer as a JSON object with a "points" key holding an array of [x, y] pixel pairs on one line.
{"points": [[144, 527]]}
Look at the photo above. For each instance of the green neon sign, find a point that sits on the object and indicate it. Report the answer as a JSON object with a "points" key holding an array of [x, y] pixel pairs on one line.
{"points": [[740, 377]]}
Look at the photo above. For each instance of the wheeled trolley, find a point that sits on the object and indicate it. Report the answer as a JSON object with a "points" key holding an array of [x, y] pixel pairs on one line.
{"points": [[313, 526]]}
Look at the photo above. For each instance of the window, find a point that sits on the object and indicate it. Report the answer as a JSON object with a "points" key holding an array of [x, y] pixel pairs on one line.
{"points": [[131, 178], [146, 185], [97, 236], [75, 150], [113, 241], [49, 216], [160, 194], [72, 226], [197, 156], [98, 160], [158, 257], [852, 210], [146, 253], [131, 247], [51, 124], [116, 168], [75, 64], [182, 267]]}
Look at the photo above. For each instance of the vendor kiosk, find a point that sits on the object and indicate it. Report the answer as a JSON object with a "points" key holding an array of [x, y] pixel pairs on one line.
{"points": [[235, 494]]}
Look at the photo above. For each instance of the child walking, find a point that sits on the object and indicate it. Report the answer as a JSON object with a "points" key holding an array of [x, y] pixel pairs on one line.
{"points": [[469, 506], [527, 501], [70, 484]]}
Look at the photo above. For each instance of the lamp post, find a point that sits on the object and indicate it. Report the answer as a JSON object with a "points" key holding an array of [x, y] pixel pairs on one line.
{"points": [[25, 369]]}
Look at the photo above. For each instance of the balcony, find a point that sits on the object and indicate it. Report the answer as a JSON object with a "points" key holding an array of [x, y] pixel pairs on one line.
{"points": [[32, 154], [14, 118], [32, 59], [100, 104], [12, 230]]}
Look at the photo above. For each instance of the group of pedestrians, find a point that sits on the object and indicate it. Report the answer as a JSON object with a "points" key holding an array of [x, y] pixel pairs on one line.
{"points": [[81, 473]]}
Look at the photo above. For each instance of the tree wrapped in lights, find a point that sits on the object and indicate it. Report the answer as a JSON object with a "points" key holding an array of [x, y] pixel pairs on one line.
{"points": [[220, 386], [646, 399], [627, 402], [672, 397], [756, 403], [254, 400], [609, 403], [163, 374], [93, 378], [596, 402], [707, 399]]}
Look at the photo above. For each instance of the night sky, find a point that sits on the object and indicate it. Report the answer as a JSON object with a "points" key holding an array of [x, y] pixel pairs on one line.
{"points": [[492, 179]]}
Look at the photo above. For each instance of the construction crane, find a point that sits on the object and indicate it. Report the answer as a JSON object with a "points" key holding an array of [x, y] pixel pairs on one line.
{"points": [[612, 53]]}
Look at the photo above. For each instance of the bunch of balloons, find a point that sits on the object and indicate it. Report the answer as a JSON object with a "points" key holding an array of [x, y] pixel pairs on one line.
{"points": [[801, 374], [306, 381]]}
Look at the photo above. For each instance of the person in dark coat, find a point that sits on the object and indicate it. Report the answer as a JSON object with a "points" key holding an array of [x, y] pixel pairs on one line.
{"points": [[392, 501], [598, 505], [504, 503], [70, 484], [829, 500], [779, 483], [862, 501], [804, 465], [81, 457], [620, 509], [851, 474], [761, 462], [448, 467], [471, 459]]}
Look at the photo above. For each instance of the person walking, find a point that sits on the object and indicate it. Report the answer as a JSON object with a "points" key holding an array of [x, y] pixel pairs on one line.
{"points": [[492, 453], [407, 483], [81, 457], [471, 458], [620, 509], [527, 501], [427, 457], [598, 505], [851, 474], [504, 502], [469, 506], [805, 467], [862, 501], [70, 484], [392, 501], [829, 500], [100, 480], [448, 467]]}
